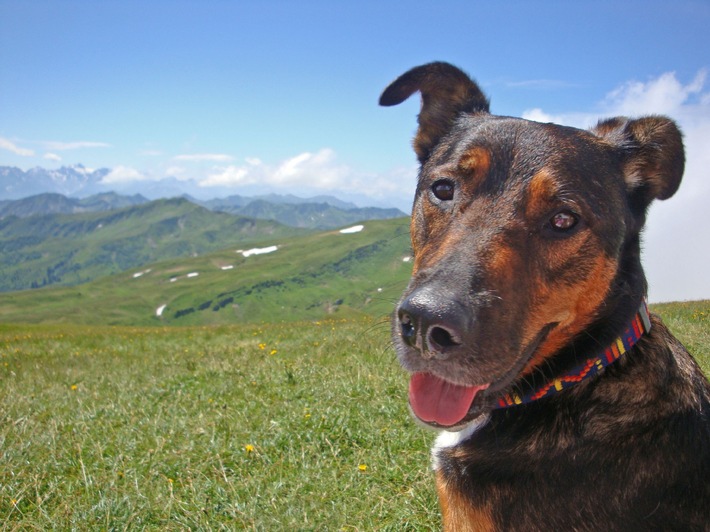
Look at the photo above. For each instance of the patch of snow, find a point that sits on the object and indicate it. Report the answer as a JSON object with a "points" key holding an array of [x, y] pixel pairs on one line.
{"points": [[227, 267], [159, 310], [406, 259], [353, 229], [259, 251], [193, 274], [173, 279], [137, 275]]}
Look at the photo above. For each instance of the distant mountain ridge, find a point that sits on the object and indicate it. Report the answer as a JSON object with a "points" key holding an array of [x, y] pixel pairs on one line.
{"points": [[67, 180], [320, 212], [50, 238], [70, 249], [235, 200], [77, 181], [323, 212], [54, 203]]}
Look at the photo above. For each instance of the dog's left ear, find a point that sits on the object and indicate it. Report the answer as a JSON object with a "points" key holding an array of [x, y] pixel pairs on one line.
{"points": [[652, 153], [446, 92]]}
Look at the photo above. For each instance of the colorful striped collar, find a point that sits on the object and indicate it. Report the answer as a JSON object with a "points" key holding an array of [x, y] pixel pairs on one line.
{"points": [[640, 324]]}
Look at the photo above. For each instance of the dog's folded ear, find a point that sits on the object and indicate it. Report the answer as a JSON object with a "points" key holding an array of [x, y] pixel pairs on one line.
{"points": [[652, 153], [446, 92]]}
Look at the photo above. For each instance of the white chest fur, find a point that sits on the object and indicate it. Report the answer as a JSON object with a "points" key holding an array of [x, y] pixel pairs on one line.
{"points": [[447, 439]]}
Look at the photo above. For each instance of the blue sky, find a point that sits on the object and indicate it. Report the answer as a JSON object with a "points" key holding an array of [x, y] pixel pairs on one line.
{"points": [[281, 96]]}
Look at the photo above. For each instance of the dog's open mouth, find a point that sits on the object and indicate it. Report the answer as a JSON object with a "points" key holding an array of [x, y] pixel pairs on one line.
{"points": [[434, 400], [443, 404]]}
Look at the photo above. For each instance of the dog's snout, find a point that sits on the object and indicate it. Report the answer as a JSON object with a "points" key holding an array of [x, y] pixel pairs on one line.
{"points": [[433, 324]]}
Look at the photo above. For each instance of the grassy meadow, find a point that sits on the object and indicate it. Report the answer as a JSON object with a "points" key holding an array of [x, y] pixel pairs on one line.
{"points": [[293, 426]]}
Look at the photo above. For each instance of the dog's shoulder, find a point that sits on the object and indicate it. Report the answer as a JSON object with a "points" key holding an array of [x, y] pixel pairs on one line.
{"points": [[658, 378]]}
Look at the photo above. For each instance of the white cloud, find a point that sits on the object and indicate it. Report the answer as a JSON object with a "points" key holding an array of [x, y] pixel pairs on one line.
{"points": [[317, 172], [78, 145], [676, 245], [122, 174], [50, 147], [204, 157], [228, 177], [178, 172], [8, 145], [582, 120], [664, 95], [319, 169]]}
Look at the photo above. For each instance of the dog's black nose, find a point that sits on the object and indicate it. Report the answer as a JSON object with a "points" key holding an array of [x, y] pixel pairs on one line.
{"points": [[431, 322]]}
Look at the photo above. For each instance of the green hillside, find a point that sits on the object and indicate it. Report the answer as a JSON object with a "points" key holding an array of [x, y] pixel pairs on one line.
{"points": [[308, 215], [69, 249], [306, 277]]}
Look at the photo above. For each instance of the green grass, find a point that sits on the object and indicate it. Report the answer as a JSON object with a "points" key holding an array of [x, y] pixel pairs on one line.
{"points": [[690, 322], [299, 426], [293, 426]]}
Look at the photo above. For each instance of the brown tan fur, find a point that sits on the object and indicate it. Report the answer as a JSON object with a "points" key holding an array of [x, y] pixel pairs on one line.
{"points": [[457, 513]]}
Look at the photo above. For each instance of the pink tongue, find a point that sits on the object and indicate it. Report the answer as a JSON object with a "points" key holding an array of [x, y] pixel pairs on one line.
{"points": [[434, 399]]}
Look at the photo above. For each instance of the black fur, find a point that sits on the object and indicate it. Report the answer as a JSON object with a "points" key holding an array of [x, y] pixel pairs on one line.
{"points": [[503, 300]]}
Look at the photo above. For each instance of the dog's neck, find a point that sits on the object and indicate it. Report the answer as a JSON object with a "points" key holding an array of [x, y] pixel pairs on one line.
{"points": [[639, 325]]}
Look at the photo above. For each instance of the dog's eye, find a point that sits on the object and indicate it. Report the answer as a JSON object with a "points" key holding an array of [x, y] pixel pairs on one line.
{"points": [[563, 221], [443, 190]]}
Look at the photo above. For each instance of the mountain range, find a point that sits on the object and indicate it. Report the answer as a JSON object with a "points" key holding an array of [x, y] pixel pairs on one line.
{"points": [[54, 239], [76, 189], [322, 212], [54, 203], [67, 180], [109, 257], [78, 181], [303, 275], [314, 213], [70, 249]]}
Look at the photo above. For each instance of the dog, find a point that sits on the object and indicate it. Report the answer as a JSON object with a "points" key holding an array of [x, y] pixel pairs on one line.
{"points": [[562, 404]]}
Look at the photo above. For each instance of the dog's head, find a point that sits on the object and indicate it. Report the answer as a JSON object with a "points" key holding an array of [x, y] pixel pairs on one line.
{"points": [[524, 235]]}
